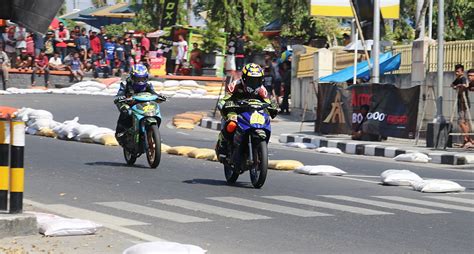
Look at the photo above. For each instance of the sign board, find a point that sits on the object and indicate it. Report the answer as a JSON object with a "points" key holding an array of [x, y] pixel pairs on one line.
{"points": [[342, 8]]}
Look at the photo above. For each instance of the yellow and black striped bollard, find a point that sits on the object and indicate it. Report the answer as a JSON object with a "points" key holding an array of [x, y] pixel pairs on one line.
{"points": [[4, 158], [16, 165]]}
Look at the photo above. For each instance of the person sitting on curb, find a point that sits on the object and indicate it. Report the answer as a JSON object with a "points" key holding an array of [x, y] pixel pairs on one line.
{"points": [[460, 84], [102, 65], [41, 65], [77, 67], [4, 66], [358, 132], [55, 63]]}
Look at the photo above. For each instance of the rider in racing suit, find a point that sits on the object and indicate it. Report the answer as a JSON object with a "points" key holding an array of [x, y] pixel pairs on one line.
{"points": [[250, 86], [136, 82]]}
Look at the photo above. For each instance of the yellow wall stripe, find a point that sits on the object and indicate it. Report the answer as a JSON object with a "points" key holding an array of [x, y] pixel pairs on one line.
{"points": [[4, 177], [17, 180], [388, 12]]}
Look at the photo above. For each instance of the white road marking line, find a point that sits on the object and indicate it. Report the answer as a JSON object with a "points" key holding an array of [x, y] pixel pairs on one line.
{"points": [[153, 212], [427, 203], [355, 179], [225, 212], [453, 199], [363, 176], [412, 209], [269, 207], [108, 221], [328, 205]]}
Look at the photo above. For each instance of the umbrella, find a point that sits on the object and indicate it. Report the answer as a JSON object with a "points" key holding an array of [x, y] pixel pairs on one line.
{"points": [[55, 23]]}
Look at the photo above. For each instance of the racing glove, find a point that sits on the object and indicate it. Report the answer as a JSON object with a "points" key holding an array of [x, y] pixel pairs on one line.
{"points": [[124, 108]]}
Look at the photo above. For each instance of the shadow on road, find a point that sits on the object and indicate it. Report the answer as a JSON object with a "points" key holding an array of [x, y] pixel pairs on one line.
{"points": [[113, 164], [217, 183]]}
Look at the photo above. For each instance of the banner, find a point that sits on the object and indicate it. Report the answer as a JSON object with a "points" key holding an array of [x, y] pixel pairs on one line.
{"points": [[157, 64], [35, 15], [170, 13], [342, 8], [335, 109], [392, 111]]}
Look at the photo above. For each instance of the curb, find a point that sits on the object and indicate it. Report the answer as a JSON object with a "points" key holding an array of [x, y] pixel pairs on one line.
{"points": [[17, 225], [358, 148], [210, 123]]}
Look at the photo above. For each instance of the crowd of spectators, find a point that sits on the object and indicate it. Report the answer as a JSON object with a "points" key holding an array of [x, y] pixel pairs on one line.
{"points": [[76, 51]]}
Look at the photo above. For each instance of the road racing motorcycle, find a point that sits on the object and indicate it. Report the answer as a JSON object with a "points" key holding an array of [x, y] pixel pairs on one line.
{"points": [[144, 135], [247, 150]]}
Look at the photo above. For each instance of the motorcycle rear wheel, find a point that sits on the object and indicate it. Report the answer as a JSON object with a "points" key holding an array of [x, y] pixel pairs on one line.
{"points": [[153, 153], [129, 157], [258, 172]]}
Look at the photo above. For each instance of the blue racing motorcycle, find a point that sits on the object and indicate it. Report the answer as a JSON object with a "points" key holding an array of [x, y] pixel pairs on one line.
{"points": [[248, 149], [144, 135]]}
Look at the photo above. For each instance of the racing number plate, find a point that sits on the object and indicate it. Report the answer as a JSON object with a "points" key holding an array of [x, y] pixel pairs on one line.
{"points": [[149, 108], [257, 118]]}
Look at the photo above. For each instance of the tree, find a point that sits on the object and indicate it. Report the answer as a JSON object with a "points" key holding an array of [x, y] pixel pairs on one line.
{"points": [[99, 3], [148, 18]]}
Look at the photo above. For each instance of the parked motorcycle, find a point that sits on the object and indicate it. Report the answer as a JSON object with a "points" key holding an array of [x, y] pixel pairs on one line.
{"points": [[144, 135], [248, 149]]}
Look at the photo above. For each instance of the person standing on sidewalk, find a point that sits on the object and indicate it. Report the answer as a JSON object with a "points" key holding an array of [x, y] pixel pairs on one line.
{"points": [[286, 82], [4, 66], [461, 85], [182, 52], [41, 65]]}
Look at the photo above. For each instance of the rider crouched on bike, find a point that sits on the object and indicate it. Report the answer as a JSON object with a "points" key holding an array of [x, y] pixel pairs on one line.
{"points": [[136, 82], [250, 86]]}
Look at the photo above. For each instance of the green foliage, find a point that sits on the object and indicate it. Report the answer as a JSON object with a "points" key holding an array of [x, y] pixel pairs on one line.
{"points": [[211, 37], [99, 3], [119, 29], [456, 11], [148, 18]]}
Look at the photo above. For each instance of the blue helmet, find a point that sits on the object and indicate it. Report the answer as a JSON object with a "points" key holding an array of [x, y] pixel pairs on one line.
{"points": [[139, 77]]}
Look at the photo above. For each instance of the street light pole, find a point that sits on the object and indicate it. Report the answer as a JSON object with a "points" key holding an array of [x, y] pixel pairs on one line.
{"points": [[439, 101], [430, 20], [376, 45]]}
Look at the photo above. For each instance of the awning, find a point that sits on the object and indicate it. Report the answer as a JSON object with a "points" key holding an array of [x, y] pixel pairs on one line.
{"points": [[156, 34], [387, 63], [108, 12]]}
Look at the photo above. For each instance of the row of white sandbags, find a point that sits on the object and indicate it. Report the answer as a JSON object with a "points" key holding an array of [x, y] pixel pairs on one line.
{"points": [[404, 177], [53, 225], [41, 122]]}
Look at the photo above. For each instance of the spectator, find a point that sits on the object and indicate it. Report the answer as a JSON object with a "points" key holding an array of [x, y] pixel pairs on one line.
{"points": [[195, 60], [41, 65], [240, 52], [38, 41], [128, 51], [4, 66], [95, 43], [461, 85], [30, 46], [83, 43], [470, 77], [68, 59], [276, 79], [20, 37], [145, 43], [24, 61], [286, 82], [55, 63], [120, 56], [182, 50], [102, 65], [77, 69], [49, 44], [10, 43], [89, 63], [267, 79], [102, 34], [109, 52], [61, 37]]}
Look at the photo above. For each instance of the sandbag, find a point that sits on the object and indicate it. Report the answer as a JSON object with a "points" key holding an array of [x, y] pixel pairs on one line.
{"points": [[330, 150], [185, 126], [320, 170], [284, 164], [196, 117], [46, 132], [199, 91], [213, 84], [437, 186], [82, 128], [68, 227], [40, 114], [188, 83], [301, 145], [413, 157], [24, 114], [65, 130], [42, 123], [399, 177], [202, 153], [177, 121], [184, 91], [108, 140], [164, 248], [171, 83], [93, 134], [180, 150]]}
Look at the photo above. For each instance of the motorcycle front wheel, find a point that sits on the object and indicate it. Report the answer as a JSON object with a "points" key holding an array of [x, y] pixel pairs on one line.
{"points": [[258, 172], [129, 157], [153, 153]]}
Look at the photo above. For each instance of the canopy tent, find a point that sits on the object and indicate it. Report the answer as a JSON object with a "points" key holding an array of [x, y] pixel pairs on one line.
{"points": [[388, 63], [156, 34], [122, 10], [97, 17]]}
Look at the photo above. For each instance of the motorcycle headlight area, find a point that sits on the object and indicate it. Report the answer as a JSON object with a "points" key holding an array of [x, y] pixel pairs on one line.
{"points": [[147, 108]]}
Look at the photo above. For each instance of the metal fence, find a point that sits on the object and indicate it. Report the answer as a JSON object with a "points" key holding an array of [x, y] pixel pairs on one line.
{"points": [[455, 52]]}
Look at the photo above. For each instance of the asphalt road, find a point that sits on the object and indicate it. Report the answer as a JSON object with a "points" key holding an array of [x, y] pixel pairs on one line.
{"points": [[191, 202]]}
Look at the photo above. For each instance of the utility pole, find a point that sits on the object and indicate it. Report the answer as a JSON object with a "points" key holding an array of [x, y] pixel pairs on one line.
{"points": [[420, 20], [376, 45], [439, 101]]}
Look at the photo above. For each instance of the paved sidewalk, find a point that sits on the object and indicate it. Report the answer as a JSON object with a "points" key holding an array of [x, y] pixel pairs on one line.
{"points": [[288, 130]]}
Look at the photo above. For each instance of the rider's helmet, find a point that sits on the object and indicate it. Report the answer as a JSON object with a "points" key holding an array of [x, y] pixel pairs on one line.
{"points": [[252, 76], [139, 77]]}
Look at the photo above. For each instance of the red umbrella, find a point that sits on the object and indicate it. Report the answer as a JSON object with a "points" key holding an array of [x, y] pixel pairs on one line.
{"points": [[54, 24]]}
